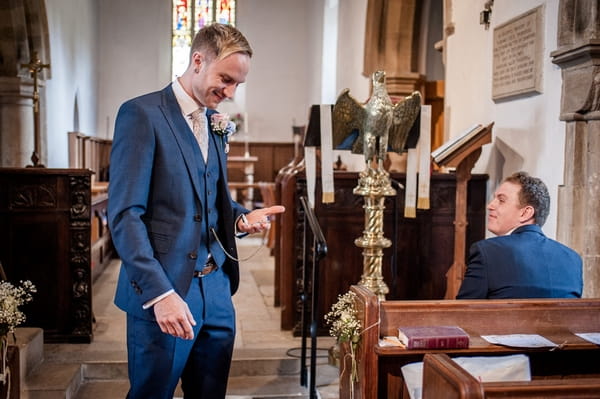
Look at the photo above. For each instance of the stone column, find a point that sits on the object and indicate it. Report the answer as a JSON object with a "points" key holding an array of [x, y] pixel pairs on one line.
{"points": [[578, 55], [16, 122], [24, 28], [391, 44]]}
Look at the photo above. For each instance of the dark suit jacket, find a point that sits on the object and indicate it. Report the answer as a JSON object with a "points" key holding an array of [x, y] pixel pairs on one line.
{"points": [[156, 212], [524, 264]]}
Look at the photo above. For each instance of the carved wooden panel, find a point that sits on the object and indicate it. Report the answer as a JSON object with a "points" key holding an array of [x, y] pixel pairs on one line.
{"points": [[45, 237]]}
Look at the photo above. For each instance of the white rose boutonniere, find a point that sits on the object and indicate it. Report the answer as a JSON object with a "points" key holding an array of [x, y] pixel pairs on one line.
{"points": [[222, 125]]}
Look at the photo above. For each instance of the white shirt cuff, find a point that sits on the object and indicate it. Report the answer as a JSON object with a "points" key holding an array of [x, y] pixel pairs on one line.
{"points": [[152, 302], [239, 234]]}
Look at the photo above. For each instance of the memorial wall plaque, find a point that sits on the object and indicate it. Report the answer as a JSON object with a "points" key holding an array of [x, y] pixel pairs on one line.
{"points": [[517, 64]]}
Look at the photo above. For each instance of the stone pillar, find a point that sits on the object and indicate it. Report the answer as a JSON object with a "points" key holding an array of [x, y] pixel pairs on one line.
{"points": [[392, 45], [24, 28], [578, 55], [16, 122]]}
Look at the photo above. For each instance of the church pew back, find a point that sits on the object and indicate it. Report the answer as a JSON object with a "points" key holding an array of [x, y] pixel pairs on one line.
{"points": [[557, 320], [445, 379]]}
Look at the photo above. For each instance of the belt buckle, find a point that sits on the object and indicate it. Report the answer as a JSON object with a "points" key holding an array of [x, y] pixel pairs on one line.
{"points": [[210, 267]]}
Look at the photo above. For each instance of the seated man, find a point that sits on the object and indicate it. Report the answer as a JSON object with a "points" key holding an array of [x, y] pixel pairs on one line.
{"points": [[521, 262]]}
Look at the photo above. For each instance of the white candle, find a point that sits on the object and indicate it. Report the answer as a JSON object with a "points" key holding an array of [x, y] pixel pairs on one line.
{"points": [[246, 122]]}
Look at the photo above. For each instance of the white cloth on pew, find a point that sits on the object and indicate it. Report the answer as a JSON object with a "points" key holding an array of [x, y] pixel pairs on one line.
{"points": [[483, 368]]}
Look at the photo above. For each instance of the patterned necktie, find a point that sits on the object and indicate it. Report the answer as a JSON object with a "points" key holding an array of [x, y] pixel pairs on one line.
{"points": [[200, 130]]}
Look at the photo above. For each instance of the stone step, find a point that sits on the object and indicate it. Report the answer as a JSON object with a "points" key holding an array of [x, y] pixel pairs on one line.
{"points": [[30, 341], [239, 388], [260, 377], [264, 373], [52, 381]]}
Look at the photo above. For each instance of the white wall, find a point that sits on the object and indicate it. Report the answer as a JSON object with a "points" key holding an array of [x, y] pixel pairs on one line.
{"points": [[73, 58], [527, 134], [109, 51], [276, 86], [134, 54], [351, 49]]}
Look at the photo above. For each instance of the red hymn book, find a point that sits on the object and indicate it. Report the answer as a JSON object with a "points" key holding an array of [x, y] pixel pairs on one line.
{"points": [[433, 337]]}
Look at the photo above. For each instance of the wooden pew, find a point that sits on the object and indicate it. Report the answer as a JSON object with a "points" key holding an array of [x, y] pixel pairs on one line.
{"points": [[379, 370], [445, 379]]}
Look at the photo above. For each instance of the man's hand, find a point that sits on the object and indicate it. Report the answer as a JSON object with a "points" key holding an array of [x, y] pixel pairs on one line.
{"points": [[258, 220], [174, 317]]}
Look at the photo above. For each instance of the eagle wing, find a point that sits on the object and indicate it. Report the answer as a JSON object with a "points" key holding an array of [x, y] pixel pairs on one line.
{"points": [[348, 116], [405, 114]]}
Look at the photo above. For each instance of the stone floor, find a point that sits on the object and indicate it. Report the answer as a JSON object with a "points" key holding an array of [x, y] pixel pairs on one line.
{"points": [[265, 363]]}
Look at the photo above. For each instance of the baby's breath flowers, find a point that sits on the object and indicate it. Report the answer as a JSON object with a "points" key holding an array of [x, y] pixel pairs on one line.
{"points": [[342, 320], [11, 298], [345, 326]]}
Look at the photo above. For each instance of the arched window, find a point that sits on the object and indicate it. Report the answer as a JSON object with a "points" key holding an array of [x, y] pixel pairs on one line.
{"points": [[188, 17]]}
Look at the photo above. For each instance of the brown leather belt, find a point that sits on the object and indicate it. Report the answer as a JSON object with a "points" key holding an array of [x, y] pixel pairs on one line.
{"points": [[210, 267]]}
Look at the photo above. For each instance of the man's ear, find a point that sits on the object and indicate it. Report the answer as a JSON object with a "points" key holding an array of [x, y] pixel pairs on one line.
{"points": [[197, 60], [527, 213]]}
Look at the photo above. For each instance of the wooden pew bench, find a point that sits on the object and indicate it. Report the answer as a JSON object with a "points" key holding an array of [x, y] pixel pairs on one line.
{"points": [[379, 367], [445, 379]]}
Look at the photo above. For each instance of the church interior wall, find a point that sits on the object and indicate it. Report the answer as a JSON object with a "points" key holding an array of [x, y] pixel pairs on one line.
{"points": [[104, 52], [350, 52], [134, 56], [74, 67], [527, 133], [276, 89]]}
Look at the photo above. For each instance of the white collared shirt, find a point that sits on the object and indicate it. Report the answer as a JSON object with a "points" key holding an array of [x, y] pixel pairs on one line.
{"points": [[186, 102]]}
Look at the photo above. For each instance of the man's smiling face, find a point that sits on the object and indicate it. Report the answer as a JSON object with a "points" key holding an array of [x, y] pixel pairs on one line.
{"points": [[217, 80], [505, 211]]}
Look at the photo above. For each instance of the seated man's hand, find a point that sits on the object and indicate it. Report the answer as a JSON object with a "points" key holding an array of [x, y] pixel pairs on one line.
{"points": [[258, 220]]}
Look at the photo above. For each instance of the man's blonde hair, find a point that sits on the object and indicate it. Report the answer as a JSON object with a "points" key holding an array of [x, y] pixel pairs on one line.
{"points": [[218, 41]]}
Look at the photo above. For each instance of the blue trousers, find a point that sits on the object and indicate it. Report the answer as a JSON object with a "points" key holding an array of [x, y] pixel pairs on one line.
{"points": [[157, 360]]}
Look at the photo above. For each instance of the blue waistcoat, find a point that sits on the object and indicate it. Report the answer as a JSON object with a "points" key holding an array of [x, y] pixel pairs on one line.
{"points": [[210, 178]]}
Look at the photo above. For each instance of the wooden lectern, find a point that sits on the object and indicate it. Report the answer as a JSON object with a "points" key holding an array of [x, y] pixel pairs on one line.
{"points": [[462, 154]]}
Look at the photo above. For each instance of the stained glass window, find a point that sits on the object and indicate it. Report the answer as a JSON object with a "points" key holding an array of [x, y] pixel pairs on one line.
{"points": [[189, 16]]}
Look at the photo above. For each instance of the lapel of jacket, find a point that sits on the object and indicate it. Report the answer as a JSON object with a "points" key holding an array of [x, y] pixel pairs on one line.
{"points": [[184, 138], [218, 142]]}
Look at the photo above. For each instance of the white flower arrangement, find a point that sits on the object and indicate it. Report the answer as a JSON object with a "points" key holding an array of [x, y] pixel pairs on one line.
{"points": [[11, 316], [345, 326], [11, 298]]}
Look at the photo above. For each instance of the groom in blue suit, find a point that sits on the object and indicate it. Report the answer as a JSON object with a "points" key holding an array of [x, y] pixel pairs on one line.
{"points": [[521, 262], [174, 224]]}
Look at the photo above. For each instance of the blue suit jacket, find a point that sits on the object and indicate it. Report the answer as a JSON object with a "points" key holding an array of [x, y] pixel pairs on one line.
{"points": [[524, 264], [156, 211]]}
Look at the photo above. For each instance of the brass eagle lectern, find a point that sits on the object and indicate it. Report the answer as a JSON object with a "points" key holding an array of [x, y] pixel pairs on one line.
{"points": [[382, 126]]}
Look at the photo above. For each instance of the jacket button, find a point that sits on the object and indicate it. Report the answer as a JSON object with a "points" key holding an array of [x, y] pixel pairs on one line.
{"points": [[193, 255], [197, 218]]}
